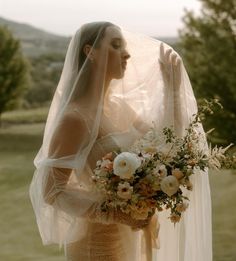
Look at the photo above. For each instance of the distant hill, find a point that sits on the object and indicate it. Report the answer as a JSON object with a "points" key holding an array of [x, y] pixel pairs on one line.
{"points": [[34, 41], [169, 40]]}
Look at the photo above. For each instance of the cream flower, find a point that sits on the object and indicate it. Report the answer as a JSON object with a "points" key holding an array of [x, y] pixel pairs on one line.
{"points": [[124, 190], [170, 185], [100, 172], [98, 163], [163, 171], [149, 148], [160, 171], [125, 165]]}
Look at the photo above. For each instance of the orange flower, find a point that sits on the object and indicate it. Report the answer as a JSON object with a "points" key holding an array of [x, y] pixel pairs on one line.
{"points": [[189, 185], [159, 208], [181, 207], [190, 145], [108, 156], [151, 203], [175, 218], [109, 166], [115, 178], [192, 162], [145, 189], [177, 173]]}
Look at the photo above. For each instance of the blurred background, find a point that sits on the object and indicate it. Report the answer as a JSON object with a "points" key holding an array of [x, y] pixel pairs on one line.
{"points": [[34, 36]]}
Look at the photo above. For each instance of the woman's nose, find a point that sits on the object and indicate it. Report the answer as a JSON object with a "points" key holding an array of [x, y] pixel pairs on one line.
{"points": [[126, 55]]}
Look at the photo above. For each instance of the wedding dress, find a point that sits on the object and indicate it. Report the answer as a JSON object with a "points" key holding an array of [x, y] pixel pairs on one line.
{"points": [[114, 85], [108, 242], [102, 241]]}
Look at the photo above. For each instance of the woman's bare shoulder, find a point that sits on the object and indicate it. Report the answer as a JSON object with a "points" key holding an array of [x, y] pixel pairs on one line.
{"points": [[74, 119], [70, 132]]}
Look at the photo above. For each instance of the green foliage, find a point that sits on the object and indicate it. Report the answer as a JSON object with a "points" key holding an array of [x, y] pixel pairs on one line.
{"points": [[45, 74], [14, 76], [208, 47]]}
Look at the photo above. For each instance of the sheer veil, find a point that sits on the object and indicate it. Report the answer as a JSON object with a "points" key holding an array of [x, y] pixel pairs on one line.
{"points": [[102, 91]]}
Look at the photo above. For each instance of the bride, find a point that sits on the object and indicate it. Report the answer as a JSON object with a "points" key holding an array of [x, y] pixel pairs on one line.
{"points": [[113, 86]]}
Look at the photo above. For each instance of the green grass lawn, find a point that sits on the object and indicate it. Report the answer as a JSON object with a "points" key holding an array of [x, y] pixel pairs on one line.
{"points": [[19, 237], [25, 116]]}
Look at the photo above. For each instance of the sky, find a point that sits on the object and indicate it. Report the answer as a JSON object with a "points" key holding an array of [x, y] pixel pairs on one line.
{"points": [[64, 17]]}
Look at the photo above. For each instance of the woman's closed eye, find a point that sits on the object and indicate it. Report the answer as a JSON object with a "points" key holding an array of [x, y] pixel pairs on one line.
{"points": [[116, 46]]}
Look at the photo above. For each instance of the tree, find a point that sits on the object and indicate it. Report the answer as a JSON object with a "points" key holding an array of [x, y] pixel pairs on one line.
{"points": [[45, 74], [208, 47], [13, 72]]}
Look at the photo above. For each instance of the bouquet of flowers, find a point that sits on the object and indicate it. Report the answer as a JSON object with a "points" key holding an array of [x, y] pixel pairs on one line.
{"points": [[154, 172]]}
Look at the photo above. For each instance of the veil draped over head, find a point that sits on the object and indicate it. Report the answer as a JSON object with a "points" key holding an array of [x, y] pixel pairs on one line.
{"points": [[113, 85]]}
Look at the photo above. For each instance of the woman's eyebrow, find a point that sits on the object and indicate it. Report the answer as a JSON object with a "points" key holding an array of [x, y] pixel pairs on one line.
{"points": [[116, 38], [120, 39]]}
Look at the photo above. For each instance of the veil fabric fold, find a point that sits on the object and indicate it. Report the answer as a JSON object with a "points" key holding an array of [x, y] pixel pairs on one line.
{"points": [[99, 101]]}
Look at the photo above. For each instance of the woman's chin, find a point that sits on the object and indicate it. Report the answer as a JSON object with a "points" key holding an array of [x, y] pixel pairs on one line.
{"points": [[120, 75]]}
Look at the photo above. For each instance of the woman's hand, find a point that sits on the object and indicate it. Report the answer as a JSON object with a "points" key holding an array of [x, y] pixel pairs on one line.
{"points": [[143, 224], [170, 60], [114, 215], [135, 224]]}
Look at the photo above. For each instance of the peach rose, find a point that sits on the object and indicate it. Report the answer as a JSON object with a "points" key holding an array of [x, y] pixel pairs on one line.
{"points": [[177, 173], [108, 156]]}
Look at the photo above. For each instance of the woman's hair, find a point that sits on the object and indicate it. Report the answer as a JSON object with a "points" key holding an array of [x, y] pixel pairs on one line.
{"points": [[91, 32]]}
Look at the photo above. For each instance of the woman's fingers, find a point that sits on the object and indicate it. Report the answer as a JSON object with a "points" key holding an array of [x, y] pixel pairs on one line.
{"points": [[162, 53], [141, 224], [169, 56], [174, 58], [170, 62], [178, 61]]}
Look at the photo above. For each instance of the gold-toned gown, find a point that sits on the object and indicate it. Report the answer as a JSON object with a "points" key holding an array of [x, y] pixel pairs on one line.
{"points": [[105, 242]]}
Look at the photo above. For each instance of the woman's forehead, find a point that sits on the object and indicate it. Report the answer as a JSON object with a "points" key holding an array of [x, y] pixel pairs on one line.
{"points": [[113, 32]]}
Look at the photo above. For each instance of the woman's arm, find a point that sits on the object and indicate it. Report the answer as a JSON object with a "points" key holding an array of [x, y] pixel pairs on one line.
{"points": [[141, 125], [66, 141], [170, 64]]}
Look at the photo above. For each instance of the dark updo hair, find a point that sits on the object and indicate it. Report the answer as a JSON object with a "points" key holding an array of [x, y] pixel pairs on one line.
{"points": [[90, 33]]}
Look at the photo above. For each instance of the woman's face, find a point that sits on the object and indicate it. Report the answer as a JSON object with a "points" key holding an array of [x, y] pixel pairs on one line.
{"points": [[117, 54]]}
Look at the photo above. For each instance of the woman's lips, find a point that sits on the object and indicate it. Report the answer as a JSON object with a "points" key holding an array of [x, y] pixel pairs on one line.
{"points": [[124, 65]]}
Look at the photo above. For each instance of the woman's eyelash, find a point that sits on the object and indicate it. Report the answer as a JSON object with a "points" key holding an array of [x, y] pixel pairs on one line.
{"points": [[116, 46]]}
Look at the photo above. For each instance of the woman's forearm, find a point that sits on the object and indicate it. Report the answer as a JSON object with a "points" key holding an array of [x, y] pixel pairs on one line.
{"points": [[178, 112]]}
